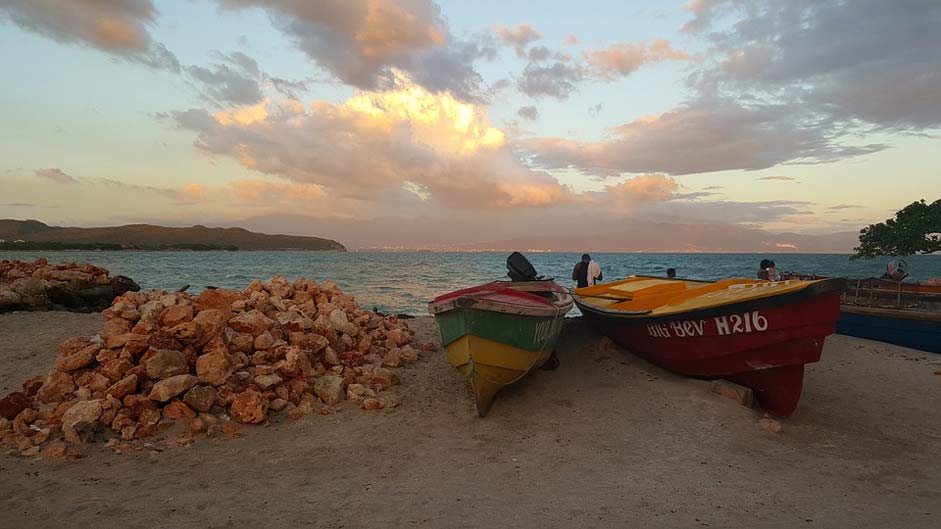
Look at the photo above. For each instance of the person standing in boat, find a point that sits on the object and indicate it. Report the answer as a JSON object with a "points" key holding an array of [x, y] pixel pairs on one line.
{"points": [[587, 272]]}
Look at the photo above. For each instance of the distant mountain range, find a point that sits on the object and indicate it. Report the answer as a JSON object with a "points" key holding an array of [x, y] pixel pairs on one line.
{"points": [[553, 234], [37, 235]]}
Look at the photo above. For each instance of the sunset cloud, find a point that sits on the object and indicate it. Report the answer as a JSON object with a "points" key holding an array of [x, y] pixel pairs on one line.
{"points": [[644, 188], [518, 37], [368, 147], [623, 59], [118, 27], [55, 175], [362, 41], [258, 191], [711, 135], [784, 178]]}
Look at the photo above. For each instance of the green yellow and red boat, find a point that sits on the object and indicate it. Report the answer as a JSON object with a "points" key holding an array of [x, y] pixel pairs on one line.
{"points": [[496, 333]]}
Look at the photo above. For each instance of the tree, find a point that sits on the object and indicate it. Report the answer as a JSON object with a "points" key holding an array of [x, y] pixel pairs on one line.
{"points": [[915, 229]]}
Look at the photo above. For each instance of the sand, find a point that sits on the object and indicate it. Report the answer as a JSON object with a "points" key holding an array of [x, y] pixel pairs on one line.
{"points": [[607, 440]]}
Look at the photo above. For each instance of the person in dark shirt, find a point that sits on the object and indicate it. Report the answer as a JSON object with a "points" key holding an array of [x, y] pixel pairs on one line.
{"points": [[671, 273], [586, 272], [767, 270]]}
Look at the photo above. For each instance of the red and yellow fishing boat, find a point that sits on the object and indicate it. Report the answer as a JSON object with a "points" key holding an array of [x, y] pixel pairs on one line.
{"points": [[756, 333]]}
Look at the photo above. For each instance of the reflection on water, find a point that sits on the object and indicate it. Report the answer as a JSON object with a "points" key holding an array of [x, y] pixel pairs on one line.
{"points": [[403, 282]]}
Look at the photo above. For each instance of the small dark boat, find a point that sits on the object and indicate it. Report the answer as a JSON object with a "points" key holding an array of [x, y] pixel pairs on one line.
{"points": [[756, 333]]}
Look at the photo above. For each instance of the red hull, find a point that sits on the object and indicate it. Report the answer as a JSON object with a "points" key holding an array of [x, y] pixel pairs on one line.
{"points": [[763, 348]]}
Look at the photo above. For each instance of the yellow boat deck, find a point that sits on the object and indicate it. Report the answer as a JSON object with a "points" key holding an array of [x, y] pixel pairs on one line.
{"points": [[651, 296]]}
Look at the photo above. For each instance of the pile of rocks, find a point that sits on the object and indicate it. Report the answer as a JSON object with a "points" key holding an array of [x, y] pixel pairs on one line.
{"points": [[223, 355], [70, 286]]}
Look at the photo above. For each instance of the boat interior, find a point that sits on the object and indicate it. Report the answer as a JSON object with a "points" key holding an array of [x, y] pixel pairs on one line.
{"points": [[644, 295]]}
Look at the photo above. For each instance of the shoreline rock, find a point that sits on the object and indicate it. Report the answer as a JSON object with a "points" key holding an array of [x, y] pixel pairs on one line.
{"points": [[63, 286]]}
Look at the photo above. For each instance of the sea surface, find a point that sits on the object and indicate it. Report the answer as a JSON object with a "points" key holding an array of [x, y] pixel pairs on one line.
{"points": [[404, 282]]}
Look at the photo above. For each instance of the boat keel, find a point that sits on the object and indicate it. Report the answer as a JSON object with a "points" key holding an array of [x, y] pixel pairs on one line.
{"points": [[777, 389], [484, 391]]}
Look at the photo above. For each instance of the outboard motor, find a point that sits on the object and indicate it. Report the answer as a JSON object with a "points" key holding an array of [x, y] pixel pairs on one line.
{"points": [[520, 269]]}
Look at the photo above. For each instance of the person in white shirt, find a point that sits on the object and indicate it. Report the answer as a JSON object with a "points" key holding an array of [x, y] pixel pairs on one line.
{"points": [[587, 272]]}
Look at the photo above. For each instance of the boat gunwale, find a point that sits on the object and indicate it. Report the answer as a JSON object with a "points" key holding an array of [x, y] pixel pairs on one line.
{"points": [[561, 303], [823, 286], [892, 312]]}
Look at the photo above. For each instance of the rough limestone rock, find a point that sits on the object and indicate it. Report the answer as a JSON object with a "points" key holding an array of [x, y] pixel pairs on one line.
{"points": [[267, 381], [216, 298], [330, 389], [253, 322], [296, 364], [171, 387], [214, 368], [309, 341], [166, 363], [176, 315], [209, 324], [78, 359], [122, 387], [249, 407], [56, 388], [80, 422], [178, 410], [201, 398], [13, 404]]}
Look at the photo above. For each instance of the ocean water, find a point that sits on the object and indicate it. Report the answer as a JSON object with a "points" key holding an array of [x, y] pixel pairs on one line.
{"points": [[404, 282]]}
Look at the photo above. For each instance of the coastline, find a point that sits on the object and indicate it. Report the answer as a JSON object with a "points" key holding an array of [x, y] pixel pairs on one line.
{"points": [[607, 439]]}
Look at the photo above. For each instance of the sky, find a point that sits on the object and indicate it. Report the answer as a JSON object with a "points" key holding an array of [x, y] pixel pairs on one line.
{"points": [[434, 124]]}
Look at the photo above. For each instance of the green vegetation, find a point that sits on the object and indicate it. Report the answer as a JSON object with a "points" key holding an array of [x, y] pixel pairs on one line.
{"points": [[149, 237], [915, 229], [32, 245]]}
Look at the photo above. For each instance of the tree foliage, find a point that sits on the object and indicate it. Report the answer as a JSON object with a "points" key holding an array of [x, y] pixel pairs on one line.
{"points": [[915, 229]]}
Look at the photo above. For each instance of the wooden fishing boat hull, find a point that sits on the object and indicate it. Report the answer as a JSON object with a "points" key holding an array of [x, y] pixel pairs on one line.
{"points": [[762, 344], [909, 328], [496, 344]]}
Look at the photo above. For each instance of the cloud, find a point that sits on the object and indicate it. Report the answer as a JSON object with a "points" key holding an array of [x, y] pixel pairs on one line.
{"points": [[644, 188], [839, 207], [619, 60], [571, 39], [188, 194], [360, 42], [529, 113], [712, 134], [369, 147], [225, 85], [557, 80], [595, 110], [519, 37], [117, 27], [560, 78], [785, 178], [265, 192], [56, 175], [867, 60]]}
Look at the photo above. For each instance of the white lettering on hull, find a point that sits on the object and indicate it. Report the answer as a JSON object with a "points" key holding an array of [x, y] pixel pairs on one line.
{"points": [[743, 323]]}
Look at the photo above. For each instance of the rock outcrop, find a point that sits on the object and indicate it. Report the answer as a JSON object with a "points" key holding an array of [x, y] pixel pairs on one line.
{"points": [[65, 286]]}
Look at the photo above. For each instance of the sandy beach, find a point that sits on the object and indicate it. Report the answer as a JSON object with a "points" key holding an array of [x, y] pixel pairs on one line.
{"points": [[607, 440]]}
